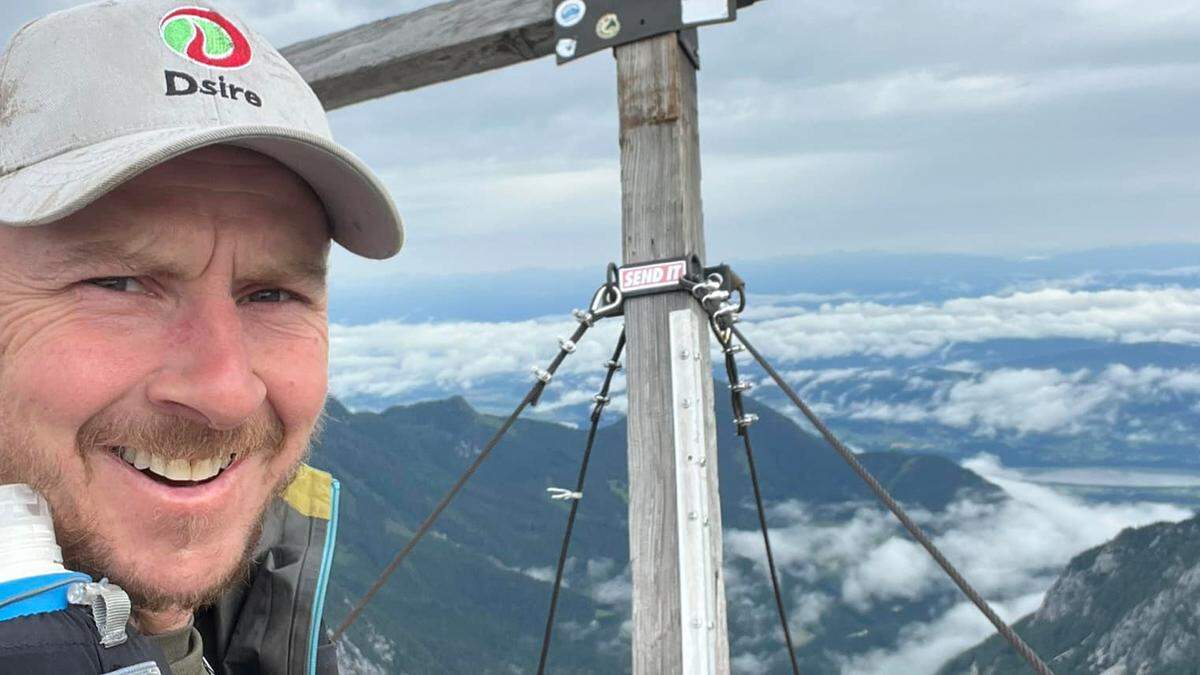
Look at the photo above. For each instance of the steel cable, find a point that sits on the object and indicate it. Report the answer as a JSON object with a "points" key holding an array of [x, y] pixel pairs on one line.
{"points": [[743, 421], [1035, 662], [531, 398], [601, 400]]}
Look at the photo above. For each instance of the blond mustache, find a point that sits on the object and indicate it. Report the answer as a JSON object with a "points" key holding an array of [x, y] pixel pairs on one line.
{"points": [[179, 438]]}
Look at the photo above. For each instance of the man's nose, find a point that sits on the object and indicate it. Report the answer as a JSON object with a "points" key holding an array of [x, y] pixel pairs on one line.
{"points": [[207, 374]]}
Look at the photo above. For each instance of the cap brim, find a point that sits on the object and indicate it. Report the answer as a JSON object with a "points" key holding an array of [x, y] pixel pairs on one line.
{"points": [[363, 218]]}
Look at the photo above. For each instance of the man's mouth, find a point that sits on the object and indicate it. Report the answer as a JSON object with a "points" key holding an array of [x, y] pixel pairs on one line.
{"points": [[175, 472]]}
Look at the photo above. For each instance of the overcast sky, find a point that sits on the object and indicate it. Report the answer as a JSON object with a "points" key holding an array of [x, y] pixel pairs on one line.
{"points": [[1014, 128]]}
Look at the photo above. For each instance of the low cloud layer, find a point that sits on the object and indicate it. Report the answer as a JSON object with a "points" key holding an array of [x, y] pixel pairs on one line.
{"points": [[1011, 552], [395, 361], [1030, 400], [914, 330]]}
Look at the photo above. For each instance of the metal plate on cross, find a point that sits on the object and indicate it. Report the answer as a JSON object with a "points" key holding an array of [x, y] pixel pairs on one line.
{"points": [[582, 27]]}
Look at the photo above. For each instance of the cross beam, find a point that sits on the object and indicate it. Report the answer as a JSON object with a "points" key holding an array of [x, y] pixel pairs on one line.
{"points": [[434, 44]]}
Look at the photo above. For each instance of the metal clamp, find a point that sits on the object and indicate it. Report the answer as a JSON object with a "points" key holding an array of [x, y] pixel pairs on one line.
{"points": [[583, 317], [562, 494], [710, 285], [745, 420], [566, 345], [742, 386], [727, 309], [542, 374], [715, 296]]}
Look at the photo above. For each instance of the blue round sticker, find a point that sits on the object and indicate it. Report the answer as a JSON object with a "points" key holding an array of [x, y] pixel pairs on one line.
{"points": [[569, 12]]}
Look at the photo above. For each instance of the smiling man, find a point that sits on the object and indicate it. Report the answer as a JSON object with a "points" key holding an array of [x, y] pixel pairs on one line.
{"points": [[168, 193]]}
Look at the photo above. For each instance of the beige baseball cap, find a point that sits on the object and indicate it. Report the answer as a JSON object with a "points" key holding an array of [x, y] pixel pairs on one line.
{"points": [[92, 96]]}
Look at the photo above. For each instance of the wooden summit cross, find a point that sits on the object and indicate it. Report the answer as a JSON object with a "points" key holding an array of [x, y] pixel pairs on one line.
{"points": [[679, 624]]}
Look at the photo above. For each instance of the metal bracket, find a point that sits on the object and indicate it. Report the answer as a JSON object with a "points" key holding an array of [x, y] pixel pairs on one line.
{"points": [[582, 27], [690, 42]]}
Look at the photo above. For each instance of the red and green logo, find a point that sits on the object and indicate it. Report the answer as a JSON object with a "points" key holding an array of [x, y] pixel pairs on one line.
{"points": [[205, 37]]}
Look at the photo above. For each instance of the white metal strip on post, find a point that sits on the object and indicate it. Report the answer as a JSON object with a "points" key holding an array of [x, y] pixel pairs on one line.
{"points": [[697, 578]]}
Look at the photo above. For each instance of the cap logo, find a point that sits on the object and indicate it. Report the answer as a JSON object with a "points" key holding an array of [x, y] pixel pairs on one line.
{"points": [[203, 36]]}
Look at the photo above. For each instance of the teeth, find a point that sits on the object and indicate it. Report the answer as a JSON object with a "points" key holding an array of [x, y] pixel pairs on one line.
{"points": [[179, 469], [203, 469], [176, 469]]}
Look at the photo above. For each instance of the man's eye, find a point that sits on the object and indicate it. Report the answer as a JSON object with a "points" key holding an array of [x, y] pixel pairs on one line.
{"points": [[119, 284], [269, 295]]}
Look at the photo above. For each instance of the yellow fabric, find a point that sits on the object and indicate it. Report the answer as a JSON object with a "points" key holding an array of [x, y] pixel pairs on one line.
{"points": [[311, 492]]}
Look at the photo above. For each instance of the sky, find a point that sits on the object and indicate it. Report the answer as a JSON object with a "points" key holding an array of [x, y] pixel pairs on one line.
{"points": [[1014, 128]]}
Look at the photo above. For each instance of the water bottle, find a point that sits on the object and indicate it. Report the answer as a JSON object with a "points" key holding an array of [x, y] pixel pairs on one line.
{"points": [[30, 558], [54, 620]]}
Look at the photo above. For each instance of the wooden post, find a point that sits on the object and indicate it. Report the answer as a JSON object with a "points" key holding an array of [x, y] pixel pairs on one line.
{"points": [[661, 218]]}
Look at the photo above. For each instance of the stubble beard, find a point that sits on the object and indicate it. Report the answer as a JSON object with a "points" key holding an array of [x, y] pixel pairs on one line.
{"points": [[81, 537]]}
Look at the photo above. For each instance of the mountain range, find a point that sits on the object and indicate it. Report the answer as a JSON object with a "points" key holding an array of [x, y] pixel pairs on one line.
{"points": [[474, 594]]}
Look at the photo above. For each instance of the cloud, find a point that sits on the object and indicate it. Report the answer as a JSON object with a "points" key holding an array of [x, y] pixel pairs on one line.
{"points": [[943, 91], [924, 647], [1011, 552], [393, 359], [489, 362], [1098, 476], [897, 568], [545, 574], [914, 330], [1029, 400], [1024, 400]]}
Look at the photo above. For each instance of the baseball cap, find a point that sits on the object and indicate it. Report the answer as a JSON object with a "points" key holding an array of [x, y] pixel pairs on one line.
{"points": [[94, 95]]}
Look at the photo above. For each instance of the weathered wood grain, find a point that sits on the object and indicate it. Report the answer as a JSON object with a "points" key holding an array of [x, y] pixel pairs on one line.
{"points": [[434, 44], [661, 217]]}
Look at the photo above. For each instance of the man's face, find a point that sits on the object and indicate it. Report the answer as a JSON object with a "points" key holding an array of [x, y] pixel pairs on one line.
{"points": [[178, 322]]}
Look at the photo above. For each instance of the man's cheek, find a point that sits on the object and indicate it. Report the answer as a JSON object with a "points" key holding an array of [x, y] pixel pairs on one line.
{"points": [[297, 378], [71, 380]]}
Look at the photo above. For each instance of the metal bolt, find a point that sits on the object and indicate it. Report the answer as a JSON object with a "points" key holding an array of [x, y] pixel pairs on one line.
{"points": [[684, 354]]}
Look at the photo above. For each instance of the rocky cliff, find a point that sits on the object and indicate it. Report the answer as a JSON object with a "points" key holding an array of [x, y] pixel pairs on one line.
{"points": [[1128, 607]]}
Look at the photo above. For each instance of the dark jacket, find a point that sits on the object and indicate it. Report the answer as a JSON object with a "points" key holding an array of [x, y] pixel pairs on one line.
{"points": [[272, 625]]}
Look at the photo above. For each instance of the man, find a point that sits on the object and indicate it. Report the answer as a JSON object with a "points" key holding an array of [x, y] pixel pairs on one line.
{"points": [[168, 192]]}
